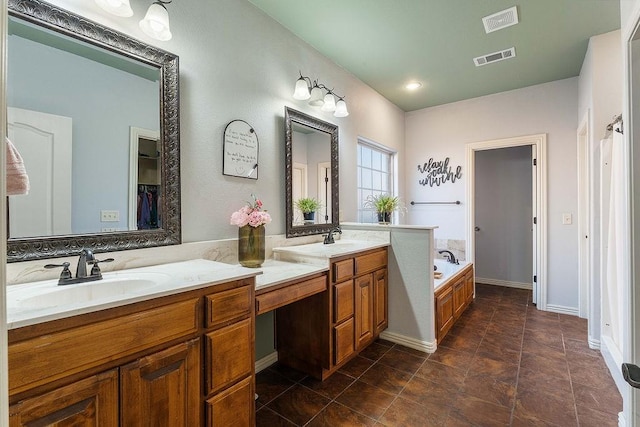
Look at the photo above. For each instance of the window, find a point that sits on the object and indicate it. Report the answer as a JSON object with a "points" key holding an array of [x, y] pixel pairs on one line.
{"points": [[375, 176]]}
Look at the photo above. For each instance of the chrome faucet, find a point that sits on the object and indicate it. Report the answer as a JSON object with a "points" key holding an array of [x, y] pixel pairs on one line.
{"points": [[328, 239], [449, 256], [86, 257]]}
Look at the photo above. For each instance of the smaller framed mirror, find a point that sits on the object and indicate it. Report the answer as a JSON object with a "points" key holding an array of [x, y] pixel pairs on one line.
{"points": [[311, 174]]}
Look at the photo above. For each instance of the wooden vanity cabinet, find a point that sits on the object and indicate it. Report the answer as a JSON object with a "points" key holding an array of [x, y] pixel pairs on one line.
{"points": [[452, 299], [319, 334], [181, 360]]}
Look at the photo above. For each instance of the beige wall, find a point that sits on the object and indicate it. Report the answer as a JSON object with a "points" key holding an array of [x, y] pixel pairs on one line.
{"points": [[445, 130], [237, 63]]}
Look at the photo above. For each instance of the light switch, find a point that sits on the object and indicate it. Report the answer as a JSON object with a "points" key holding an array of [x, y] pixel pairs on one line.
{"points": [[567, 219]]}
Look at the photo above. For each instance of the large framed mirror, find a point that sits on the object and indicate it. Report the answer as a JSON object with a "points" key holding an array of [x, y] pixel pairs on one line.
{"points": [[311, 173], [95, 115]]}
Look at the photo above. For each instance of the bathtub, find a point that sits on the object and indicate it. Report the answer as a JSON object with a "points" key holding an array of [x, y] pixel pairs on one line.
{"points": [[448, 271]]}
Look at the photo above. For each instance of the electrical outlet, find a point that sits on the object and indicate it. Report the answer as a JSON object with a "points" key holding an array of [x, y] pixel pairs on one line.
{"points": [[567, 219], [109, 216]]}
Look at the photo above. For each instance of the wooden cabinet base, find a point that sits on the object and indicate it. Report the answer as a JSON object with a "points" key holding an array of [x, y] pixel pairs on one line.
{"points": [[452, 299], [320, 334]]}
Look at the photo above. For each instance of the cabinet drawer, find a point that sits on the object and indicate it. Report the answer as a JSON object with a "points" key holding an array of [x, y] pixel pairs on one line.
{"points": [[228, 305], [50, 357], [370, 262], [342, 270], [283, 296], [229, 355], [343, 301], [233, 407], [343, 336]]}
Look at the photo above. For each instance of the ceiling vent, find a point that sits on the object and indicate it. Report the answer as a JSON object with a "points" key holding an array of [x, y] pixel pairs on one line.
{"points": [[495, 57], [500, 20]]}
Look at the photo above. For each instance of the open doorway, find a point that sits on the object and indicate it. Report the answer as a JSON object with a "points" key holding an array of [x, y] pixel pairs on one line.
{"points": [[536, 146], [504, 217]]}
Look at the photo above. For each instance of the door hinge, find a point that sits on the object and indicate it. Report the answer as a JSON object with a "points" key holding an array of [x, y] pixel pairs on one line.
{"points": [[535, 219], [535, 279], [535, 162]]}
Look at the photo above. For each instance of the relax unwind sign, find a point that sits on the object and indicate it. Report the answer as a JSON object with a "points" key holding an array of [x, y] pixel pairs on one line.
{"points": [[438, 172]]}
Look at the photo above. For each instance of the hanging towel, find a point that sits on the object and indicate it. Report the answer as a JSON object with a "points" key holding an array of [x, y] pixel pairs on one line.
{"points": [[17, 178]]}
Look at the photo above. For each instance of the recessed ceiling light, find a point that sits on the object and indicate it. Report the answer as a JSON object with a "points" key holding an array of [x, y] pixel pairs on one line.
{"points": [[413, 85]]}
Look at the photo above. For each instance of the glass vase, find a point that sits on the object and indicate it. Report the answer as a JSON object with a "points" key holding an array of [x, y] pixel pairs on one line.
{"points": [[251, 246]]}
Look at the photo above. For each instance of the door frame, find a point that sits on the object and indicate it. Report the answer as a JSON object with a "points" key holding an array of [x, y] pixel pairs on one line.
{"points": [[539, 142], [583, 135], [631, 316], [4, 364]]}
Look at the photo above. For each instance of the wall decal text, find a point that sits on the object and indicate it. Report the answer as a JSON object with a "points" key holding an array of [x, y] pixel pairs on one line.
{"points": [[438, 172]]}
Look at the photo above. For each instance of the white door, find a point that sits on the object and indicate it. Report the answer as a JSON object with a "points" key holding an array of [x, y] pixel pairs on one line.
{"points": [[299, 189], [44, 142]]}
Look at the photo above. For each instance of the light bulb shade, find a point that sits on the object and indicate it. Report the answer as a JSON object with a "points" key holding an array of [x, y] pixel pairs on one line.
{"points": [[316, 97], [302, 90], [329, 103], [116, 7], [341, 109], [156, 23]]}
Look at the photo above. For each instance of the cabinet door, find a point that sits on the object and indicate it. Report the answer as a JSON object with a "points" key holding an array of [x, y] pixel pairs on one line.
{"points": [[444, 312], [229, 353], [459, 297], [469, 286], [343, 301], [162, 389], [380, 299], [364, 310], [233, 407], [343, 341], [89, 402]]}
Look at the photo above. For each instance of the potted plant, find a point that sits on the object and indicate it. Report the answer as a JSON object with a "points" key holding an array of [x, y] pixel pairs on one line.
{"points": [[384, 204], [308, 206]]}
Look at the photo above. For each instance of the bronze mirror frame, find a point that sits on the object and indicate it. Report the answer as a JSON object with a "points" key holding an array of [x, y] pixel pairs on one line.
{"points": [[78, 27], [293, 116]]}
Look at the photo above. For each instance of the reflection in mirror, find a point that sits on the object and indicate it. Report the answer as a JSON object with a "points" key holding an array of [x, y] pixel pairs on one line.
{"points": [[311, 174], [94, 114]]}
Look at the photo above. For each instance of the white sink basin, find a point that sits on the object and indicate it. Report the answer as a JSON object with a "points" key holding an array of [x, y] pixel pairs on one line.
{"points": [[50, 294]]}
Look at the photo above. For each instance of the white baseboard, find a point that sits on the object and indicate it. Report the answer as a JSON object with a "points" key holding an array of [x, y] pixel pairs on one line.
{"points": [[266, 361], [622, 422], [571, 311], [613, 358], [427, 347], [594, 344], [505, 283]]}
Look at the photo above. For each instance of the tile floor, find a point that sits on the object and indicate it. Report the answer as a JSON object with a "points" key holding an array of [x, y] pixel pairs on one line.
{"points": [[503, 364]]}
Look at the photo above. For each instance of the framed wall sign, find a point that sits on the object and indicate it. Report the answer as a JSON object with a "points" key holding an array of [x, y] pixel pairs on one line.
{"points": [[240, 156]]}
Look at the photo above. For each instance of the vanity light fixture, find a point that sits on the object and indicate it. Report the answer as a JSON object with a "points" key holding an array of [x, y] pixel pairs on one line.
{"points": [[116, 7], [156, 22], [305, 89]]}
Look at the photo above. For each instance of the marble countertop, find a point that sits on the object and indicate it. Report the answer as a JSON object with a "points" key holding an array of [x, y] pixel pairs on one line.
{"points": [[278, 272], [42, 301], [321, 254], [38, 302]]}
